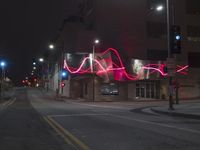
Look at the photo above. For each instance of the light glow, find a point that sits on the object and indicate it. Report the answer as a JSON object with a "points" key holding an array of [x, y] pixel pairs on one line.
{"points": [[118, 68], [159, 8]]}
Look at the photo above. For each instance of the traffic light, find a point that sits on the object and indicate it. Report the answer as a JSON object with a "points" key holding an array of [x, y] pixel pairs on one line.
{"points": [[62, 84], [64, 74], [175, 39]]}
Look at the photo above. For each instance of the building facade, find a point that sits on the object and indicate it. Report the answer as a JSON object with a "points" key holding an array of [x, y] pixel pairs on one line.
{"points": [[138, 32]]}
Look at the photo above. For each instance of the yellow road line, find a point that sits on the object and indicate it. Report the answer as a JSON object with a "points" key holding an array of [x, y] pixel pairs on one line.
{"points": [[58, 132], [9, 102], [68, 137], [5, 103]]}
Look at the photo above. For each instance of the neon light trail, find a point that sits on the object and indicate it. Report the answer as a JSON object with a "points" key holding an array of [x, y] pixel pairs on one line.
{"points": [[102, 66]]}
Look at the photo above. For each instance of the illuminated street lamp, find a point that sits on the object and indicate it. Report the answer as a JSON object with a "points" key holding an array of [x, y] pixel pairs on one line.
{"points": [[41, 59], [51, 46], [34, 63], [159, 8], [3, 64]]}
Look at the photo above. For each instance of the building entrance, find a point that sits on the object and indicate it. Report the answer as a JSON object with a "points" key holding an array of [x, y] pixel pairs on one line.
{"points": [[147, 89]]}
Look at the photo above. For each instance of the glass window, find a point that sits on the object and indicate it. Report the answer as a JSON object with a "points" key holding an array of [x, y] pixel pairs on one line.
{"points": [[137, 92], [109, 89]]}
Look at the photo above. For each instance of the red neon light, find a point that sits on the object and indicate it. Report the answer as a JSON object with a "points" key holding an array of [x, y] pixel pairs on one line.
{"points": [[105, 70]]}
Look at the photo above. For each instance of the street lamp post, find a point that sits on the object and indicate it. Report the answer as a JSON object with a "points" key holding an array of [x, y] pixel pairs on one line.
{"points": [[2, 76], [93, 72], [160, 8], [46, 77]]}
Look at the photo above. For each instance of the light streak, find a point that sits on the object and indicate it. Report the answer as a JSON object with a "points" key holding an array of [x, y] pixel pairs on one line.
{"points": [[100, 69]]}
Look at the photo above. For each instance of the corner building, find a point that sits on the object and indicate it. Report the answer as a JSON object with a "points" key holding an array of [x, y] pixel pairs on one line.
{"points": [[139, 32]]}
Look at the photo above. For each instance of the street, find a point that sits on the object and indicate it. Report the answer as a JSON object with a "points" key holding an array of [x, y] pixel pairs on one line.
{"points": [[33, 121]]}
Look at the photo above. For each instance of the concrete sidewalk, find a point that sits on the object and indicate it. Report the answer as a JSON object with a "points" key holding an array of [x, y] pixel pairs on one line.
{"points": [[186, 110]]}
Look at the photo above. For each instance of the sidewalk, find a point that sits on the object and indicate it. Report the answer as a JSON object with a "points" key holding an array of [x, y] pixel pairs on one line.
{"points": [[7, 95], [186, 110]]}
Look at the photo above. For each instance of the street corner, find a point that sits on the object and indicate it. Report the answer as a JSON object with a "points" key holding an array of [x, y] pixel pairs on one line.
{"points": [[183, 111]]}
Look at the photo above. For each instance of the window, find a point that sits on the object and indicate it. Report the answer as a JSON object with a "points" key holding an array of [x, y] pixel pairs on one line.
{"points": [[147, 89], [156, 30], [193, 7], [193, 59], [193, 33], [109, 89]]}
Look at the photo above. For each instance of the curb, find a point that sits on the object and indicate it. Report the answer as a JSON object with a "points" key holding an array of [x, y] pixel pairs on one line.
{"points": [[177, 114]]}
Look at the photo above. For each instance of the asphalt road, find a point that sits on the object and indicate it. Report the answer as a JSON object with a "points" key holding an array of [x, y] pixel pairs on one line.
{"points": [[107, 127], [35, 121], [22, 128]]}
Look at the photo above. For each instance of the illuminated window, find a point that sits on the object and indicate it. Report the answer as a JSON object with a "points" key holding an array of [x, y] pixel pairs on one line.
{"points": [[148, 89], [109, 89]]}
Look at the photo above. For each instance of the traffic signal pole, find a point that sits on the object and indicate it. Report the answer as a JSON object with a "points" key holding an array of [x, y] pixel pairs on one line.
{"points": [[169, 54]]}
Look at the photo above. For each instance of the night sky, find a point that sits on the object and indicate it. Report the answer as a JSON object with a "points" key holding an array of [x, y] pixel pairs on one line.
{"points": [[26, 29]]}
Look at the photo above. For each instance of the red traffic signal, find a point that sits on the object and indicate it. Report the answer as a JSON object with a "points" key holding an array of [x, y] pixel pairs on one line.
{"points": [[62, 84]]}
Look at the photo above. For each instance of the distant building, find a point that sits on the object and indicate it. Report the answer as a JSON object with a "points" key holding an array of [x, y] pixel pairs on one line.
{"points": [[139, 32]]}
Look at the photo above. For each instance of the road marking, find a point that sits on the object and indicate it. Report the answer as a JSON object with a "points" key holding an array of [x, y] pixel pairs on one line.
{"points": [[9, 102], [158, 124], [68, 137], [76, 115], [58, 131]]}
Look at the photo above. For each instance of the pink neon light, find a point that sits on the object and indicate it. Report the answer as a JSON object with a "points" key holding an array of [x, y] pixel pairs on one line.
{"points": [[101, 70]]}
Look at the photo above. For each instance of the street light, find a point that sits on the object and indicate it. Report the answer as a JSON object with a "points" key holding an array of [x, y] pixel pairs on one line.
{"points": [[34, 63], [3, 64], [93, 73], [159, 8], [41, 59], [51, 46]]}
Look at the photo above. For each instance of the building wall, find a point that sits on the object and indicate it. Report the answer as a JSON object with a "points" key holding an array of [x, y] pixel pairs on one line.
{"points": [[76, 89], [124, 26]]}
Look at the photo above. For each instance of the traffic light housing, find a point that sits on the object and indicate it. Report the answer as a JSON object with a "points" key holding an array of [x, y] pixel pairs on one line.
{"points": [[165, 69], [64, 75], [175, 39]]}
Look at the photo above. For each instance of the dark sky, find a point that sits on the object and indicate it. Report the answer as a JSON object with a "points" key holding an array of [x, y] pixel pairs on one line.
{"points": [[26, 28]]}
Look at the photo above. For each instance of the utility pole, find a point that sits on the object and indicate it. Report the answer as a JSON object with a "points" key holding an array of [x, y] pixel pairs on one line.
{"points": [[169, 54]]}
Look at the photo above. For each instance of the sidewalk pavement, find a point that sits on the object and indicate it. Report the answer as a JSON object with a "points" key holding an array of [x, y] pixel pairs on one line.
{"points": [[185, 109]]}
